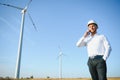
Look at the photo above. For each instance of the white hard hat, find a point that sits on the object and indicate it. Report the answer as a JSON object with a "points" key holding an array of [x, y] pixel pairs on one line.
{"points": [[91, 22]]}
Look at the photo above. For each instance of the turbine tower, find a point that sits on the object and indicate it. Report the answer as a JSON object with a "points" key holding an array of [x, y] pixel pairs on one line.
{"points": [[60, 63], [23, 12]]}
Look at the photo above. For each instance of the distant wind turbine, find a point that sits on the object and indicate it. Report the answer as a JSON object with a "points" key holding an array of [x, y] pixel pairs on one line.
{"points": [[23, 11], [60, 63]]}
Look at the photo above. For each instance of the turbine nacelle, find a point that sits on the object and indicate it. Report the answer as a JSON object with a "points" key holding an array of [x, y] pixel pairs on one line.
{"points": [[24, 11]]}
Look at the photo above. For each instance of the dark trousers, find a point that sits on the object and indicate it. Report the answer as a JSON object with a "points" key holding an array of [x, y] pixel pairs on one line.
{"points": [[97, 68]]}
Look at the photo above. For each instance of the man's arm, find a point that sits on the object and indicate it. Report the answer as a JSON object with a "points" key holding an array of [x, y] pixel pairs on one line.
{"points": [[81, 41], [107, 48]]}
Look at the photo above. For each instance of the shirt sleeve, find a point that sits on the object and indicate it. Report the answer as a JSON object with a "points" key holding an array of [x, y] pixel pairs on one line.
{"points": [[107, 48], [81, 42]]}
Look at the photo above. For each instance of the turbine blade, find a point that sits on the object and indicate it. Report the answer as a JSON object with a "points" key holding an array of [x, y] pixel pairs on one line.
{"points": [[32, 22], [11, 6], [28, 4], [58, 57], [60, 48], [61, 53]]}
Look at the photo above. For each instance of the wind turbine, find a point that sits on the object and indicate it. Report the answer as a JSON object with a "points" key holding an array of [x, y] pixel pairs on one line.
{"points": [[23, 12], [60, 63]]}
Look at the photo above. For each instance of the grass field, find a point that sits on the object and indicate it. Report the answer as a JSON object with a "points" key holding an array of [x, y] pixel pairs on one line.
{"points": [[74, 79], [60, 79], [77, 79]]}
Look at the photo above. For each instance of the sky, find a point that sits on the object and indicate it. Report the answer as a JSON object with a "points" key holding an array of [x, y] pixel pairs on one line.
{"points": [[59, 23]]}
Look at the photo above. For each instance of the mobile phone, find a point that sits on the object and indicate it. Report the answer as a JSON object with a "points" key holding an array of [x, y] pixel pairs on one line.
{"points": [[88, 32]]}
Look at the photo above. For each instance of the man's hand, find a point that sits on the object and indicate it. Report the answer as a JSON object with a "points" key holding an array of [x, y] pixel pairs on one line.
{"points": [[87, 33]]}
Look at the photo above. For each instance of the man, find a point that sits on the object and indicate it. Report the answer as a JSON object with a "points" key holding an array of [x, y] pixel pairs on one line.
{"points": [[98, 51]]}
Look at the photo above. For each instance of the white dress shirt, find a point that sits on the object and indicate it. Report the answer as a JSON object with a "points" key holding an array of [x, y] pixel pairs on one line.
{"points": [[96, 45]]}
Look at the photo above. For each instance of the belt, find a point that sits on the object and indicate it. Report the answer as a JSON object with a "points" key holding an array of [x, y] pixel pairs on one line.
{"points": [[96, 57]]}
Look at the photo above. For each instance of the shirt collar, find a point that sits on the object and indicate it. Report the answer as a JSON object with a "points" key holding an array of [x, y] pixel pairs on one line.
{"points": [[94, 35]]}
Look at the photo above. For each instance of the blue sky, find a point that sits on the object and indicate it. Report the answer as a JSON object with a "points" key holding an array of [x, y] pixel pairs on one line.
{"points": [[59, 22]]}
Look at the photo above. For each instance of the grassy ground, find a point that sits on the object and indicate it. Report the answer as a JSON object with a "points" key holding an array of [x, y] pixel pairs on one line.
{"points": [[61, 79], [75, 79]]}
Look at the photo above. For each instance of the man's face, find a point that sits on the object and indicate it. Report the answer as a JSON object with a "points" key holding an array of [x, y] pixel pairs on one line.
{"points": [[92, 28]]}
